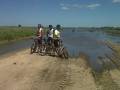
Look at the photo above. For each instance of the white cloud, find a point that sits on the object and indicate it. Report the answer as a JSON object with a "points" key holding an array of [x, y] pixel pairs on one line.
{"points": [[64, 8], [78, 6], [116, 1], [92, 6]]}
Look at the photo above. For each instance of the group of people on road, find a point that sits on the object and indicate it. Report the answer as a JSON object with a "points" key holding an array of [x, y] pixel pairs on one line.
{"points": [[50, 36]]}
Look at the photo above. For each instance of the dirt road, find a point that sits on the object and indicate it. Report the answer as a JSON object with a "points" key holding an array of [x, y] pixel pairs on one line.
{"points": [[23, 71]]}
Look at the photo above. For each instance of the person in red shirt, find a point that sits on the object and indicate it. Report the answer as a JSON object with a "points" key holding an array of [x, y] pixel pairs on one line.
{"points": [[40, 33]]}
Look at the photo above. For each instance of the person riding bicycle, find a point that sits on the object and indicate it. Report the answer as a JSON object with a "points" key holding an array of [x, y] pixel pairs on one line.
{"points": [[56, 36], [40, 33], [50, 35]]}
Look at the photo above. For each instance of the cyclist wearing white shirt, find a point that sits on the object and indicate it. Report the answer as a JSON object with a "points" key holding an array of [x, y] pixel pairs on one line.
{"points": [[50, 35]]}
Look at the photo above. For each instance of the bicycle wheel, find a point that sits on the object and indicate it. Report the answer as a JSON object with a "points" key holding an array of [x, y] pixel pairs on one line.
{"points": [[42, 50], [33, 48], [65, 53], [59, 52]]}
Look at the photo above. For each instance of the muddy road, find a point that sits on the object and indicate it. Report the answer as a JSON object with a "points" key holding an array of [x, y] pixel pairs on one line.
{"points": [[23, 71]]}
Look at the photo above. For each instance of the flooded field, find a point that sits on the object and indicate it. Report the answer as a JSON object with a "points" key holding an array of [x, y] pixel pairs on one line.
{"points": [[14, 46], [91, 44]]}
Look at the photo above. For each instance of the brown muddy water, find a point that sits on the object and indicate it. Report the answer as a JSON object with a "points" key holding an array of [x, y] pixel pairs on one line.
{"points": [[77, 41]]}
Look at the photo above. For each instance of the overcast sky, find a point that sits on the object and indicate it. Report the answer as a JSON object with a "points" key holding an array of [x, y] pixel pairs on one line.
{"points": [[82, 13]]}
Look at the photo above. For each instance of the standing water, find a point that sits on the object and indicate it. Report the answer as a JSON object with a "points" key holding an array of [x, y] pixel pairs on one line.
{"points": [[91, 44], [80, 41], [15, 46]]}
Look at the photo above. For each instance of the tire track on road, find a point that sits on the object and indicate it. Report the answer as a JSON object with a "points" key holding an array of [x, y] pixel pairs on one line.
{"points": [[55, 76]]}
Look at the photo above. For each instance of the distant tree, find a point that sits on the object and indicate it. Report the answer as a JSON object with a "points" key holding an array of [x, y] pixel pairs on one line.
{"points": [[19, 25]]}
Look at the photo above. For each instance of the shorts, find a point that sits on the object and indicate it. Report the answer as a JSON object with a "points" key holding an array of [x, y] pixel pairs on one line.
{"points": [[56, 42], [39, 40], [50, 41]]}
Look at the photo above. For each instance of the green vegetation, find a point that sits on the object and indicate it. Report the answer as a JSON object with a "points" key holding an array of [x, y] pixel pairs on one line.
{"points": [[111, 30], [11, 33]]}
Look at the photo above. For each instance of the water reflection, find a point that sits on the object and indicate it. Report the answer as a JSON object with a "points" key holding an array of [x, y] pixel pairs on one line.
{"points": [[90, 43]]}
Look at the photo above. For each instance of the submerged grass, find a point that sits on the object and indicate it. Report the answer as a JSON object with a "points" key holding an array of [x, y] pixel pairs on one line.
{"points": [[10, 33], [112, 31], [115, 47], [105, 79]]}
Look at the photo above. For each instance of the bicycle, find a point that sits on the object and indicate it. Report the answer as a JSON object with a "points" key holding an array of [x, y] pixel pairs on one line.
{"points": [[45, 48], [42, 48], [61, 50], [36, 47]]}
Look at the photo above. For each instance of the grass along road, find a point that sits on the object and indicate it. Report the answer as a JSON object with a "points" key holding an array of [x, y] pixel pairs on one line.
{"points": [[8, 34]]}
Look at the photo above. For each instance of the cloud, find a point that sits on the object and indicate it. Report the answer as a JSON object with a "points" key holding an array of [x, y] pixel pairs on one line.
{"points": [[79, 6], [61, 4], [92, 6], [116, 1], [76, 6], [64, 8]]}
